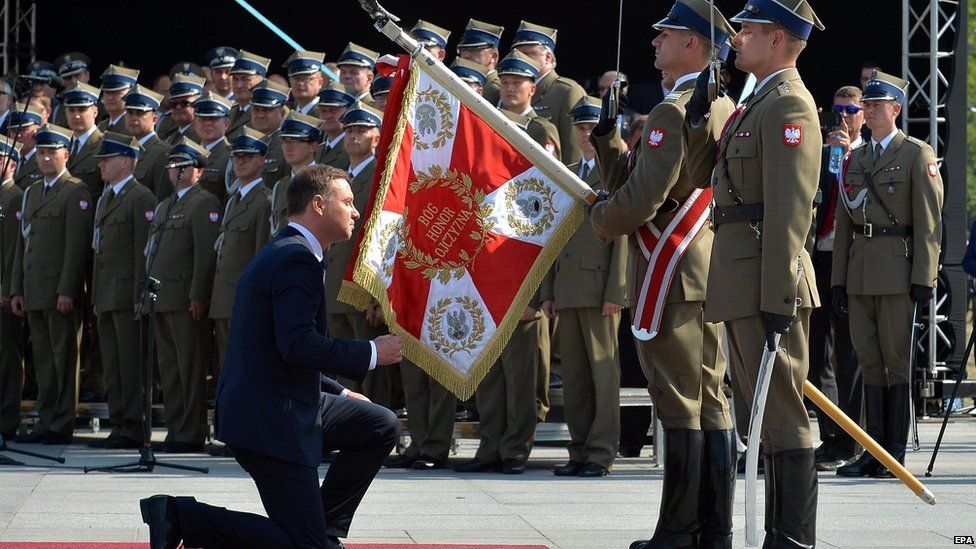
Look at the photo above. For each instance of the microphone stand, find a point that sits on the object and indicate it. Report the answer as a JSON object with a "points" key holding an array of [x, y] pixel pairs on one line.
{"points": [[150, 287], [3, 443]]}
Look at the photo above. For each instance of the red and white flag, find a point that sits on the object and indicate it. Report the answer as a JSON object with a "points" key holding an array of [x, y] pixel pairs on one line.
{"points": [[460, 229]]}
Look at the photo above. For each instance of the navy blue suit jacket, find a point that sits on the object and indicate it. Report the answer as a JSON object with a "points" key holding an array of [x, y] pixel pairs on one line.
{"points": [[268, 394]]}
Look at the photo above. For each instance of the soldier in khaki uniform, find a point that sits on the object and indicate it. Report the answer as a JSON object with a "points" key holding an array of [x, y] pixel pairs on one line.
{"points": [[300, 136], [886, 260], [555, 96], [48, 275], [246, 226], [249, 70], [25, 125], [72, 67], [141, 105], [306, 79], [116, 82], [587, 288], [761, 280], [122, 217], [79, 102], [518, 74], [183, 92], [211, 120], [357, 68], [479, 44], [267, 113], [334, 100], [379, 90], [180, 254], [682, 361], [362, 126], [11, 325], [221, 60]]}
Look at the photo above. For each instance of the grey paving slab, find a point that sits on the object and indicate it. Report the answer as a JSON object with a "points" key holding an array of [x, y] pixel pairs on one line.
{"points": [[64, 504]]}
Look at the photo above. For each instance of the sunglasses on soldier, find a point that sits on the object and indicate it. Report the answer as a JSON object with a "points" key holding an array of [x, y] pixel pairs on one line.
{"points": [[849, 109]]}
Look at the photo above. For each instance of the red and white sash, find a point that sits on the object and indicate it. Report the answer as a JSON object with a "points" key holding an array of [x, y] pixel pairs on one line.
{"points": [[663, 251]]}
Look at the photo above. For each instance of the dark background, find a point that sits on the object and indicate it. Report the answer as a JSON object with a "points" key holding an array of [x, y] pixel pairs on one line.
{"points": [[154, 35]]}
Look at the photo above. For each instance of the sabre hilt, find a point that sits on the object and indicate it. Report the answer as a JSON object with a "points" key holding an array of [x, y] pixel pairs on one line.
{"points": [[613, 101], [714, 77]]}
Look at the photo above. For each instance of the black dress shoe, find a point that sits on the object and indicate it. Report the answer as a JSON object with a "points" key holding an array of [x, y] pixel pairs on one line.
{"points": [[32, 437], [403, 461], [571, 469], [51, 438], [219, 450], [159, 512], [478, 466], [176, 447], [625, 452], [592, 470], [428, 464], [513, 467]]}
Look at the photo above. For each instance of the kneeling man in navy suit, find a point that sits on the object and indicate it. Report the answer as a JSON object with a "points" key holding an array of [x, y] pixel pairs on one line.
{"points": [[276, 409]]}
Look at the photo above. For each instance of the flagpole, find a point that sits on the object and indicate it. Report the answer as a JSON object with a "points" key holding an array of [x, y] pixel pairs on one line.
{"points": [[539, 157]]}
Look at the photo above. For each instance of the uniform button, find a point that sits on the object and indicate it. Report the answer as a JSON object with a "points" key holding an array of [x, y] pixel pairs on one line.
{"points": [[787, 300], [799, 302]]}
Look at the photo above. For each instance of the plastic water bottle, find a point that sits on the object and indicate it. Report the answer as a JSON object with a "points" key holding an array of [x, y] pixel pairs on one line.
{"points": [[836, 159]]}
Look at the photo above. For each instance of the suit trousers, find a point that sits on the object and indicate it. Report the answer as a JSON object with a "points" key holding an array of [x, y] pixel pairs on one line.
{"points": [[833, 365], [507, 398], [430, 413], [881, 328], [182, 372], [118, 336], [685, 368], [786, 425], [591, 383], [55, 339], [379, 383], [301, 513], [11, 370]]}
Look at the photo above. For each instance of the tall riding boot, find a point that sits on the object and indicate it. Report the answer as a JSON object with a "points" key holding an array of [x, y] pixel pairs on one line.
{"points": [[718, 488], [897, 421], [796, 499], [772, 512], [874, 410], [677, 524]]}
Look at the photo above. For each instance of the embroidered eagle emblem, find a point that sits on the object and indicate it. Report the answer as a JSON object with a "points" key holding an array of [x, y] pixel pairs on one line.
{"points": [[656, 138], [792, 134], [214, 216]]}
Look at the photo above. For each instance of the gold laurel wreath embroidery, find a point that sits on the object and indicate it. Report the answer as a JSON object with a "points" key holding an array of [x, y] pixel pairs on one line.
{"points": [[522, 225], [415, 258], [446, 130], [445, 345]]}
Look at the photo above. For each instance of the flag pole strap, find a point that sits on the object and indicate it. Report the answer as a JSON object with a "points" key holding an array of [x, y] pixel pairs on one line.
{"points": [[541, 159]]}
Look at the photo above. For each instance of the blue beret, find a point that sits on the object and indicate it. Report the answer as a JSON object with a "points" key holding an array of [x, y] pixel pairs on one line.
{"points": [[770, 11]]}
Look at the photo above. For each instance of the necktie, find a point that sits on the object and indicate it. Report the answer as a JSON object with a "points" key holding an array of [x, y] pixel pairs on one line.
{"points": [[585, 171], [74, 148], [44, 191], [878, 151]]}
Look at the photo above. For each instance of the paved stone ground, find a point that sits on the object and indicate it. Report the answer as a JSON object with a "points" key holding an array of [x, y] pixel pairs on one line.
{"points": [[64, 504]]}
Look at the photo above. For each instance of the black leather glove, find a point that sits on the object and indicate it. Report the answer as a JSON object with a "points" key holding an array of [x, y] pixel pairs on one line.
{"points": [[838, 299], [698, 106], [776, 324], [601, 196], [921, 294], [608, 120]]}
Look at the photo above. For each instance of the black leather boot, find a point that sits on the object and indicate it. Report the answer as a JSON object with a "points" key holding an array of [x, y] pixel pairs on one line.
{"points": [[677, 524], [718, 489], [795, 514], [874, 410], [897, 422], [771, 516], [160, 513]]}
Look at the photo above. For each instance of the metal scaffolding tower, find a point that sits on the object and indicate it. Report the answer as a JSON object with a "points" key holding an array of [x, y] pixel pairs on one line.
{"points": [[932, 32], [19, 34]]}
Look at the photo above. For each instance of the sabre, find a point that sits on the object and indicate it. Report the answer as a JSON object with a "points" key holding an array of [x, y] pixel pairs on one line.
{"points": [[714, 65], [752, 450], [913, 421], [614, 98]]}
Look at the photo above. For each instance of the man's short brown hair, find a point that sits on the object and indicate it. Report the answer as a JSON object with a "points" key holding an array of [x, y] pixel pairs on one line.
{"points": [[309, 182], [848, 92]]}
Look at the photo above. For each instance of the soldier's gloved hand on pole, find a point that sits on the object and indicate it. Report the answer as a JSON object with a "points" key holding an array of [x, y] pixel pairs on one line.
{"points": [[921, 294], [698, 106], [838, 299], [608, 120], [776, 324]]}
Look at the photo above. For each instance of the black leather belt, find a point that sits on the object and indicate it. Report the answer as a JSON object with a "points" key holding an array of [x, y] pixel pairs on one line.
{"points": [[734, 214], [871, 230]]}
